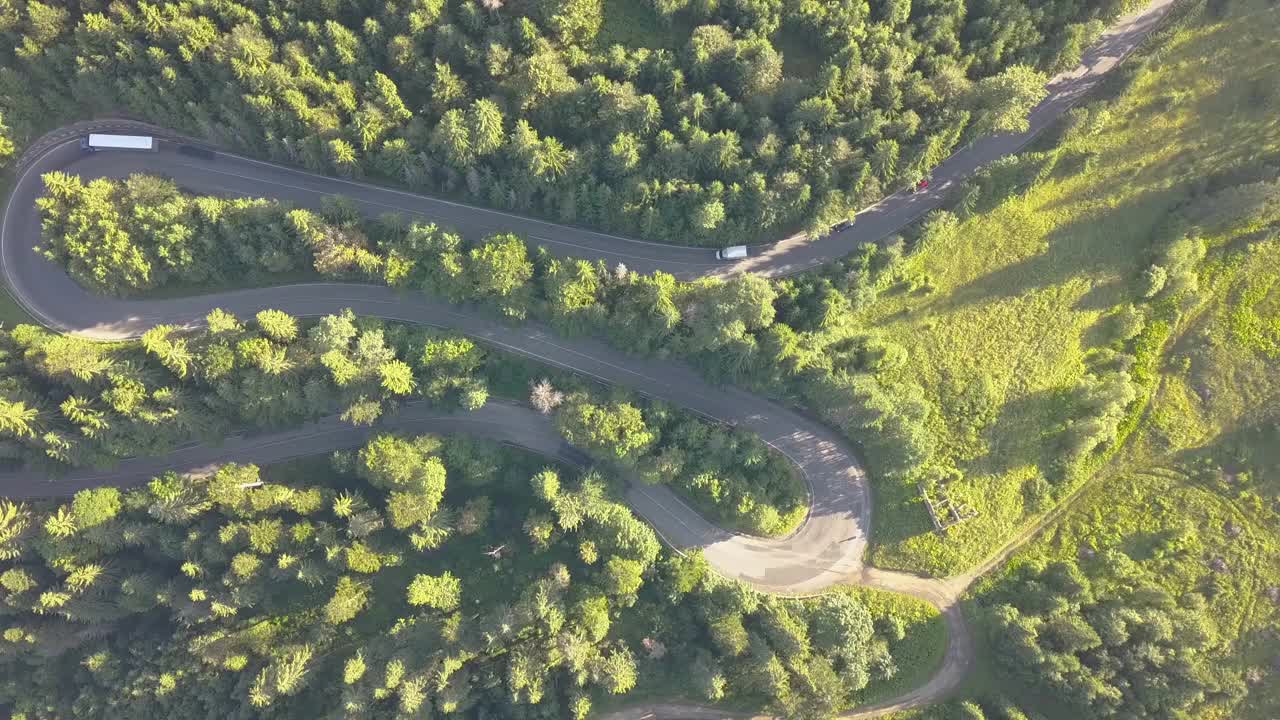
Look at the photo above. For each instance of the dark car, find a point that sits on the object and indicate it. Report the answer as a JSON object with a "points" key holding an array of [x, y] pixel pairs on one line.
{"points": [[197, 152], [842, 225]]}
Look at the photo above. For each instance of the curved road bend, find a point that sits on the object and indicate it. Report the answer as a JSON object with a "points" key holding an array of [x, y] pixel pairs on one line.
{"points": [[235, 175], [829, 545]]}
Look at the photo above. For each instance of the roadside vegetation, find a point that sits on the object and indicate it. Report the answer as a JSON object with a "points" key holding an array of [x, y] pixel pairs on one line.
{"points": [[143, 234], [72, 402], [1173, 552], [1093, 327], [1036, 320], [416, 576], [11, 313], [730, 476], [847, 344], [922, 640], [666, 119], [7, 146]]}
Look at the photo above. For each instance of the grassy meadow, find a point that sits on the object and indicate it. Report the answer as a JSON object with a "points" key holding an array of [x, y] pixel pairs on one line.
{"points": [[1193, 497], [1017, 298], [11, 313]]}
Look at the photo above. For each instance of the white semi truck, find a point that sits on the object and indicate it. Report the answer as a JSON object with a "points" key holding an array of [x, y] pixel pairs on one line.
{"points": [[98, 141]]}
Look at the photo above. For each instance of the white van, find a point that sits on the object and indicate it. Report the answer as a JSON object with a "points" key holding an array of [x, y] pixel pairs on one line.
{"points": [[736, 252]]}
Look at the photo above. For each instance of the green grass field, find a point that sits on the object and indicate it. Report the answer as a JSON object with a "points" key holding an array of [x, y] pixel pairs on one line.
{"points": [[801, 54], [11, 313], [637, 24], [1022, 291], [1194, 496]]}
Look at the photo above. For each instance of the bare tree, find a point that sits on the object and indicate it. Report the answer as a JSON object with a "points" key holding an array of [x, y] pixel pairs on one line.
{"points": [[656, 648], [492, 6], [545, 398]]}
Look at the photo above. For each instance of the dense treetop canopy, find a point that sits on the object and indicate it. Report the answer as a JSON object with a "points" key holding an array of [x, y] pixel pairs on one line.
{"points": [[512, 592], [757, 116]]}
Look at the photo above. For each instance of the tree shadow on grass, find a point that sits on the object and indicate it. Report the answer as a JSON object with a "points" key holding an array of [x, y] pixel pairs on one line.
{"points": [[637, 24], [1085, 247], [1234, 139], [1230, 122], [1024, 433], [1106, 295], [1253, 447], [1106, 331], [900, 514]]}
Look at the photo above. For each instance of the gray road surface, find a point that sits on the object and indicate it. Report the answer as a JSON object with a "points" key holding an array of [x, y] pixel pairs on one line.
{"points": [[826, 549]]}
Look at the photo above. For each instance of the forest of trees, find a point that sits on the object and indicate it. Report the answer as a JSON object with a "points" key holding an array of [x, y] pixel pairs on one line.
{"points": [[791, 339], [143, 233], [419, 577], [729, 475], [1107, 642], [6, 144], [71, 402], [82, 403], [430, 577], [530, 106]]}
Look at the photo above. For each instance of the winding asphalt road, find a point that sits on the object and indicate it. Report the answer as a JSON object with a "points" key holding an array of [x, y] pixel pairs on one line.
{"points": [[827, 548]]}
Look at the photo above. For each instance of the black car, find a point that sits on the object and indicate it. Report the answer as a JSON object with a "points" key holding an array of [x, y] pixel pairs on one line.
{"points": [[842, 225]]}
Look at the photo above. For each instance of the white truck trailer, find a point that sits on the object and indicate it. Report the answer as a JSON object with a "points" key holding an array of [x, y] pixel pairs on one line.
{"points": [[735, 252], [98, 141]]}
